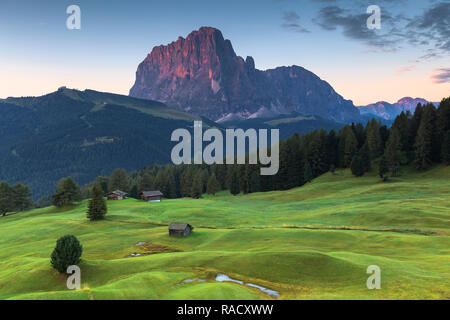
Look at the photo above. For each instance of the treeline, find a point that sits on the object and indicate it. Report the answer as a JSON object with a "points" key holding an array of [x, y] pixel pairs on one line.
{"points": [[422, 138], [14, 198]]}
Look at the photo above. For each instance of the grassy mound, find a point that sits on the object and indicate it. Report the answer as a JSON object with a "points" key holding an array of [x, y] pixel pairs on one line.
{"points": [[313, 242]]}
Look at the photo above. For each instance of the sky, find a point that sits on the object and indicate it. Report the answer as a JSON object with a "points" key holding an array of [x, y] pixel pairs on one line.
{"points": [[408, 56]]}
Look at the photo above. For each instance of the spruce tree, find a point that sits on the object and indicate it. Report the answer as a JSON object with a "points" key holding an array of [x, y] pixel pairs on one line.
{"points": [[146, 183], [134, 192], [97, 205], [6, 199], [20, 195], [445, 149], [357, 166], [383, 168], [308, 172], [392, 152], [197, 186], [186, 182], [234, 183], [160, 182], [255, 182], [332, 148], [118, 180], [374, 138], [171, 188], [66, 193], [364, 153], [425, 139], [443, 117], [213, 185], [350, 148]]}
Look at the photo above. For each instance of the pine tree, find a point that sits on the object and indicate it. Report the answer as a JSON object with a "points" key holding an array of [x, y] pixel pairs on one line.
{"points": [[234, 183], [364, 153], [392, 152], [160, 182], [357, 166], [351, 147], [213, 185], [134, 192], [186, 182], [20, 195], [255, 182], [443, 117], [146, 183], [118, 180], [425, 139], [445, 149], [308, 172], [197, 186], [383, 168], [374, 138], [171, 188], [282, 177], [6, 201], [67, 252], [332, 148], [66, 193], [97, 205]]}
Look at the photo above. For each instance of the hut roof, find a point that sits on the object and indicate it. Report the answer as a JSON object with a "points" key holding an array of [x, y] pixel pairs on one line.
{"points": [[179, 226], [152, 193], [119, 193]]}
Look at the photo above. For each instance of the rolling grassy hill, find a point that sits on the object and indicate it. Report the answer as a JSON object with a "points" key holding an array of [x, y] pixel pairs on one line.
{"points": [[313, 242]]}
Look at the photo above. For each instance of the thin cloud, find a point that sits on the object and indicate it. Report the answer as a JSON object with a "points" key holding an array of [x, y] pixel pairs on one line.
{"points": [[442, 75], [429, 29], [291, 21], [404, 70]]}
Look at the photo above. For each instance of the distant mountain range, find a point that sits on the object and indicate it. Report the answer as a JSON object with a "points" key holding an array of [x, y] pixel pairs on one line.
{"points": [[83, 134], [203, 75], [389, 111]]}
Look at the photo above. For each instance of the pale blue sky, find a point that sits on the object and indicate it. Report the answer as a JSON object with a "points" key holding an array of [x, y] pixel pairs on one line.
{"points": [[409, 56]]}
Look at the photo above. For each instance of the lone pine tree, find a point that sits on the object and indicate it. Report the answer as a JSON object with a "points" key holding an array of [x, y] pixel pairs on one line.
{"points": [[97, 205]]}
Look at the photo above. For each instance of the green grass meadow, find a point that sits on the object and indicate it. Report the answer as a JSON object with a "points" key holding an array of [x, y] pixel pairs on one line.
{"points": [[313, 242]]}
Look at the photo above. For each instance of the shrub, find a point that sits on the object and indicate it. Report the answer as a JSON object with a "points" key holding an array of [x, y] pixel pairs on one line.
{"points": [[67, 252]]}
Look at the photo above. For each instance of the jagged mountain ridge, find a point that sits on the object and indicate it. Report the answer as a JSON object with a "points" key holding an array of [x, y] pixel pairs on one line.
{"points": [[203, 75]]}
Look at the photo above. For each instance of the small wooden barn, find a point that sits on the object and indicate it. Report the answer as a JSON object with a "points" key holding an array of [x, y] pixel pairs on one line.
{"points": [[117, 195], [151, 196], [180, 229]]}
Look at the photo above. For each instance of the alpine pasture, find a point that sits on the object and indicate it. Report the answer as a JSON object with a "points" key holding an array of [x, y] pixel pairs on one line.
{"points": [[312, 242]]}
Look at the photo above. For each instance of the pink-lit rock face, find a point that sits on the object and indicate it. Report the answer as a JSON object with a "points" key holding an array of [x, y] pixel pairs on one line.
{"points": [[202, 74]]}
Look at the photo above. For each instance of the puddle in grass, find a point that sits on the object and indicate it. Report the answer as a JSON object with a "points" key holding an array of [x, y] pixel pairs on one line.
{"points": [[224, 278], [192, 280]]}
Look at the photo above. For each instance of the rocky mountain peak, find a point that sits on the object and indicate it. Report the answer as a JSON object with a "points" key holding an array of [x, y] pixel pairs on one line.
{"points": [[203, 75]]}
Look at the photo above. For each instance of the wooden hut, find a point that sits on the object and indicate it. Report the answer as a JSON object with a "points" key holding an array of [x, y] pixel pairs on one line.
{"points": [[151, 196], [117, 195], [180, 229]]}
